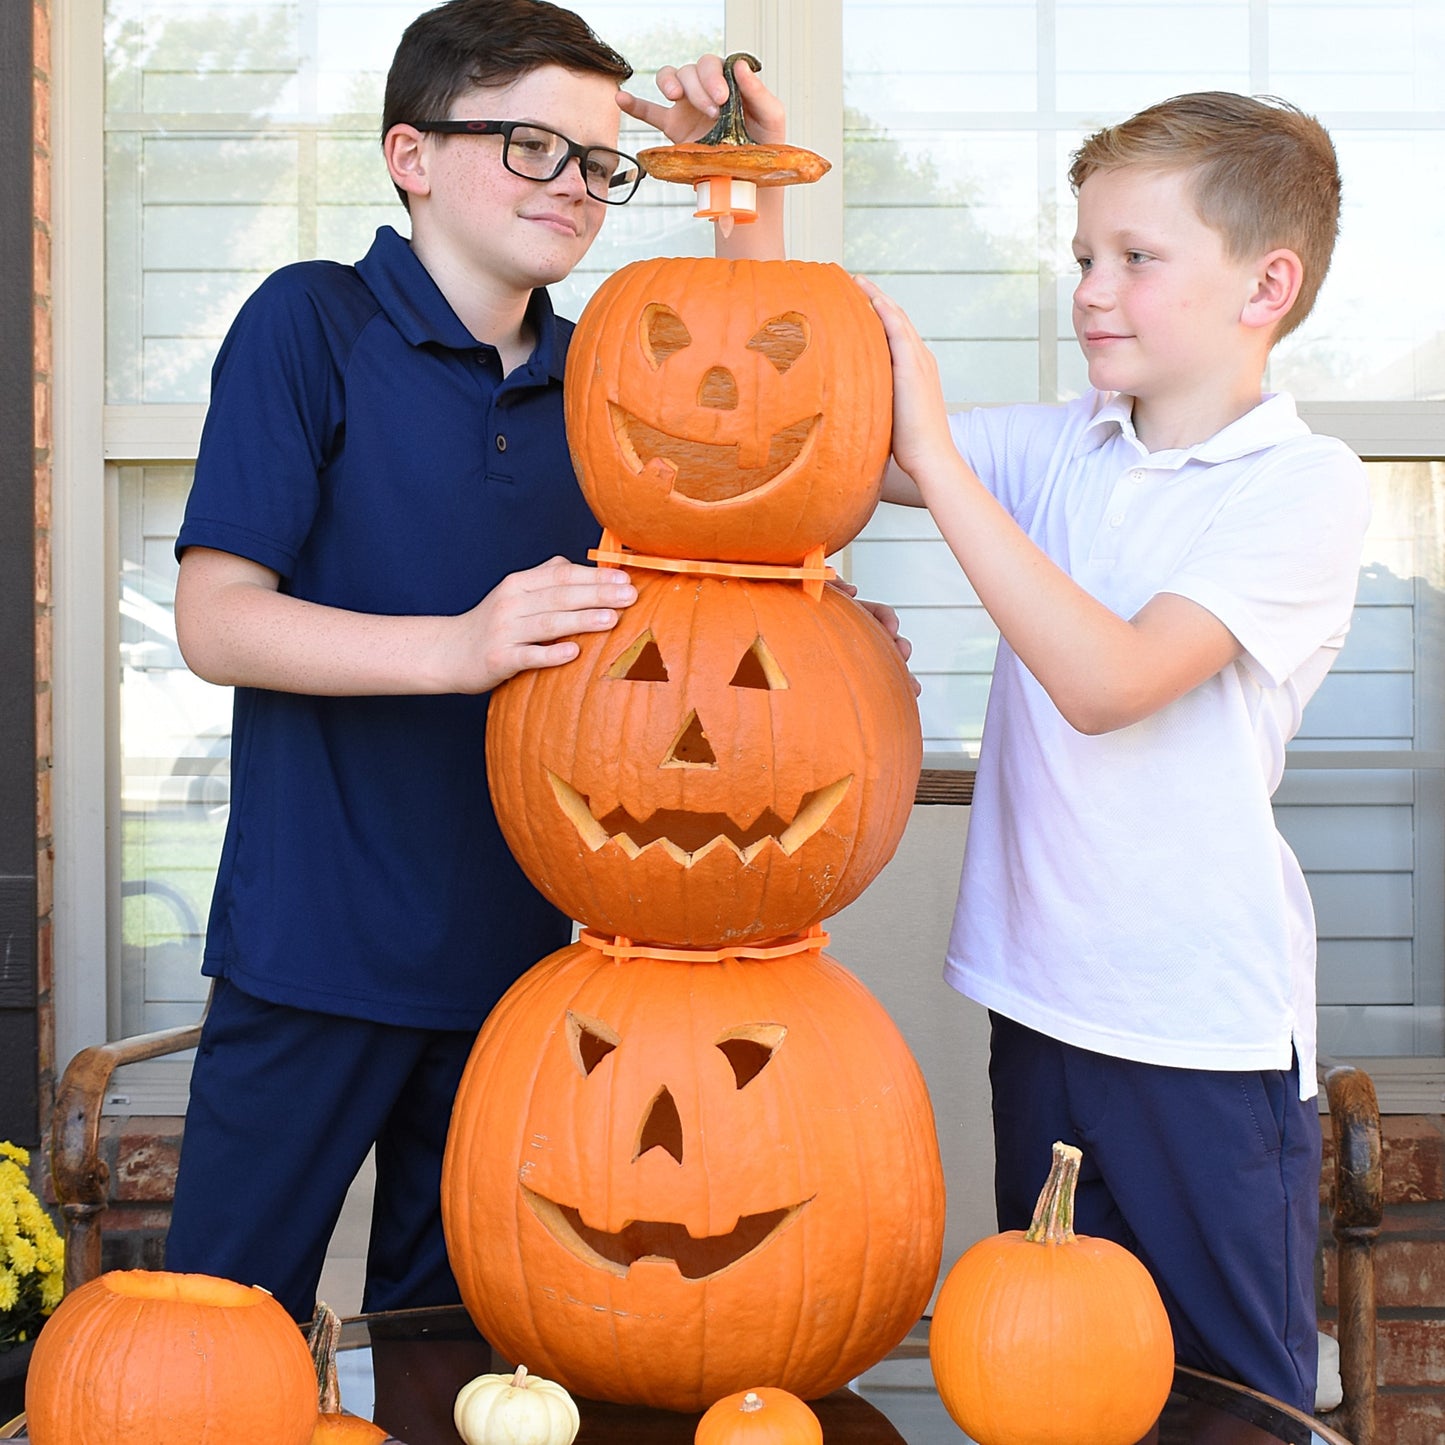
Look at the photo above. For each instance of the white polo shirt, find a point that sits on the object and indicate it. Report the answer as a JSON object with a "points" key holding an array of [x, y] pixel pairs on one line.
{"points": [[1129, 893]]}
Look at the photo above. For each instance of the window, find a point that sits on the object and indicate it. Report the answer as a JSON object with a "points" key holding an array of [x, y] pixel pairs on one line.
{"points": [[240, 134]]}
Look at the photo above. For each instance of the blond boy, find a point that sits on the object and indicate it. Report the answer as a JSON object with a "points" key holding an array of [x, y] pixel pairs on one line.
{"points": [[1171, 561]]}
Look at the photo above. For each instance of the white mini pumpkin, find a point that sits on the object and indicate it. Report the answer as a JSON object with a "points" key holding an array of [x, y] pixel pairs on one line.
{"points": [[519, 1409]]}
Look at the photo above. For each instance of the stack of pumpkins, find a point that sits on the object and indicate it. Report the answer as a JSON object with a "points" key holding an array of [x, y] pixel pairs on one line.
{"points": [[692, 1154]]}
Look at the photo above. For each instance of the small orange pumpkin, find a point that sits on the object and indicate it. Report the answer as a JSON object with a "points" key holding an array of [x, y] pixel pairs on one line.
{"points": [[1045, 1337], [140, 1357], [667, 1181], [730, 410], [734, 762], [765, 1416]]}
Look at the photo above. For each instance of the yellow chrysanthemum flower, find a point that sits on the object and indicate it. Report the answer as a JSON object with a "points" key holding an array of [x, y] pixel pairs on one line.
{"points": [[31, 1252]]}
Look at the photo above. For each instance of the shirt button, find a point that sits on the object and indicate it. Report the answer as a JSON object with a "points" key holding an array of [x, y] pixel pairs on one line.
{"points": [[1117, 520], [1136, 476], [501, 442]]}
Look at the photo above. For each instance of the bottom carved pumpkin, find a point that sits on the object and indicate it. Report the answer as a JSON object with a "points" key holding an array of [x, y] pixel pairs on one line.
{"points": [[666, 1181]]}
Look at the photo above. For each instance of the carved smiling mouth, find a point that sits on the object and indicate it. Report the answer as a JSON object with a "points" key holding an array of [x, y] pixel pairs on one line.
{"points": [[707, 471], [658, 1239], [687, 837]]}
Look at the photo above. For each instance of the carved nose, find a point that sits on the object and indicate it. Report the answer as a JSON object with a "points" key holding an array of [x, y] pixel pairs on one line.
{"points": [[690, 748], [719, 390], [661, 1128]]}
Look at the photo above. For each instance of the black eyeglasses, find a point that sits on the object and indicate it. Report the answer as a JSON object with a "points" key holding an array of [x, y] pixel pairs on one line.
{"points": [[538, 154]]}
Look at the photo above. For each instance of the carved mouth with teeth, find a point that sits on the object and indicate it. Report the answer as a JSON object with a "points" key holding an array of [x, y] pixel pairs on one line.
{"points": [[687, 837], [659, 1240], [708, 471]]}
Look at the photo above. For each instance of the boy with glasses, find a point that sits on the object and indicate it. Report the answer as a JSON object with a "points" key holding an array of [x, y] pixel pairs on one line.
{"points": [[384, 525]]}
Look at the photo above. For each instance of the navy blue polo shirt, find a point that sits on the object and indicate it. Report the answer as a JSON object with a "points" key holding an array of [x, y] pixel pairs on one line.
{"points": [[362, 444]]}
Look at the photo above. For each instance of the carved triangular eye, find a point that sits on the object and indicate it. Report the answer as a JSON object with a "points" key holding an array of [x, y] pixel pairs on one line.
{"points": [[759, 668], [642, 662], [663, 333], [782, 340], [590, 1040], [750, 1049]]}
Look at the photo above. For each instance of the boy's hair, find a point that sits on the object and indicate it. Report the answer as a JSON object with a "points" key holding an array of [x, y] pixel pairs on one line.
{"points": [[468, 43], [1264, 174]]}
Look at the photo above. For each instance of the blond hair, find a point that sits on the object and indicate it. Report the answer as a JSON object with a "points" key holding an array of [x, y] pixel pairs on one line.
{"points": [[1264, 174]]}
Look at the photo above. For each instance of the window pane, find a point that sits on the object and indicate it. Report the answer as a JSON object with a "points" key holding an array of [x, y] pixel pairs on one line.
{"points": [[175, 745], [1363, 801], [1116, 58], [242, 135], [953, 182]]}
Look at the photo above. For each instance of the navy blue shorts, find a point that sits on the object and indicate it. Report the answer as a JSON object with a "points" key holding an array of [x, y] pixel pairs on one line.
{"points": [[284, 1106], [1210, 1177]]}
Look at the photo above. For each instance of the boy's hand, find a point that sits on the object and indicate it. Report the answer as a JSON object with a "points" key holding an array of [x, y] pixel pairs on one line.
{"points": [[920, 417], [698, 92], [530, 619], [887, 619]]}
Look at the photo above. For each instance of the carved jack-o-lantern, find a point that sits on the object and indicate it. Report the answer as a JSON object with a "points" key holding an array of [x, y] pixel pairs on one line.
{"points": [[733, 762], [731, 410], [667, 1181]]}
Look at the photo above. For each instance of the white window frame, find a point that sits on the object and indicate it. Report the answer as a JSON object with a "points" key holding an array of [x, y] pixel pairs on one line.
{"points": [[802, 41]]}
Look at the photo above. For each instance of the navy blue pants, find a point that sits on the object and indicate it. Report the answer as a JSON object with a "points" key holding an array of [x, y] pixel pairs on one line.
{"points": [[1210, 1177], [284, 1106]]}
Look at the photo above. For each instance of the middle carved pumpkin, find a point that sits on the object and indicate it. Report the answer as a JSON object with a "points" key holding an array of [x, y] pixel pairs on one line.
{"points": [[734, 410], [733, 763], [666, 1181]]}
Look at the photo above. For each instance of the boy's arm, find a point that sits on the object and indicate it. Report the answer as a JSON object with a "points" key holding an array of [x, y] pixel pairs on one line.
{"points": [[697, 92], [235, 627], [1102, 671]]}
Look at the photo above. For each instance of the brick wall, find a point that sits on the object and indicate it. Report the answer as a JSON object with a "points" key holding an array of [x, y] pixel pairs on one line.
{"points": [[1409, 1281]]}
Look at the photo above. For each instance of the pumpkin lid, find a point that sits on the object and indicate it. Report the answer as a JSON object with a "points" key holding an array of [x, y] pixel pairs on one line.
{"points": [[763, 165], [728, 150]]}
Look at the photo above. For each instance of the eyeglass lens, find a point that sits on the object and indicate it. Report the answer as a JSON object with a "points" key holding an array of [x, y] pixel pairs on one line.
{"points": [[540, 155]]}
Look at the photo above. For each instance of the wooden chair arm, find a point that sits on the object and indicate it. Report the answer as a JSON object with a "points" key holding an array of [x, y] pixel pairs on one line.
{"points": [[81, 1177], [1358, 1210]]}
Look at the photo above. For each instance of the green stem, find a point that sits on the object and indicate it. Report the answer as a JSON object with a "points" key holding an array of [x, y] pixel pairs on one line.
{"points": [[1053, 1221], [730, 130]]}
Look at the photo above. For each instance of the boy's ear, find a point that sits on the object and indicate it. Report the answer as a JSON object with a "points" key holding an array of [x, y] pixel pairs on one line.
{"points": [[1277, 281], [406, 159]]}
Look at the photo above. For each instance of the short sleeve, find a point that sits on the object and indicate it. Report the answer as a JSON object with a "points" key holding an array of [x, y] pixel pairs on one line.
{"points": [[1279, 562], [276, 411]]}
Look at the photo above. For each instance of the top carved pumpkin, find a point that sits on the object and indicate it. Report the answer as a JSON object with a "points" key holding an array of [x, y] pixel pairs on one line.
{"points": [[738, 411]]}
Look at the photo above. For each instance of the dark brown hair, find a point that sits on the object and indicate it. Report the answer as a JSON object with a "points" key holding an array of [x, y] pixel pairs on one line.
{"points": [[1264, 174], [468, 43]]}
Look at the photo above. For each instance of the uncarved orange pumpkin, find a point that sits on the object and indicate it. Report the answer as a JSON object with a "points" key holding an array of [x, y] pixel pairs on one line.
{"points": [[1045, 1337], [733, 762], [763, 1416], [668, 1181], [140, 1357], [733, 410]]}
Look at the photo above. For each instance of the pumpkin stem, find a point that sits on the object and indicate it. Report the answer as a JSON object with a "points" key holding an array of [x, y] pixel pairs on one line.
{"points": [[729, 129], [520, 1380], [323, 1338], [1053, 1221], [751, 1403]]}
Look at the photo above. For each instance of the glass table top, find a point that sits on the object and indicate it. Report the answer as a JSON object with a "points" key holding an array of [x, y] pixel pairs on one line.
{"points": [[404, 1370]]}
